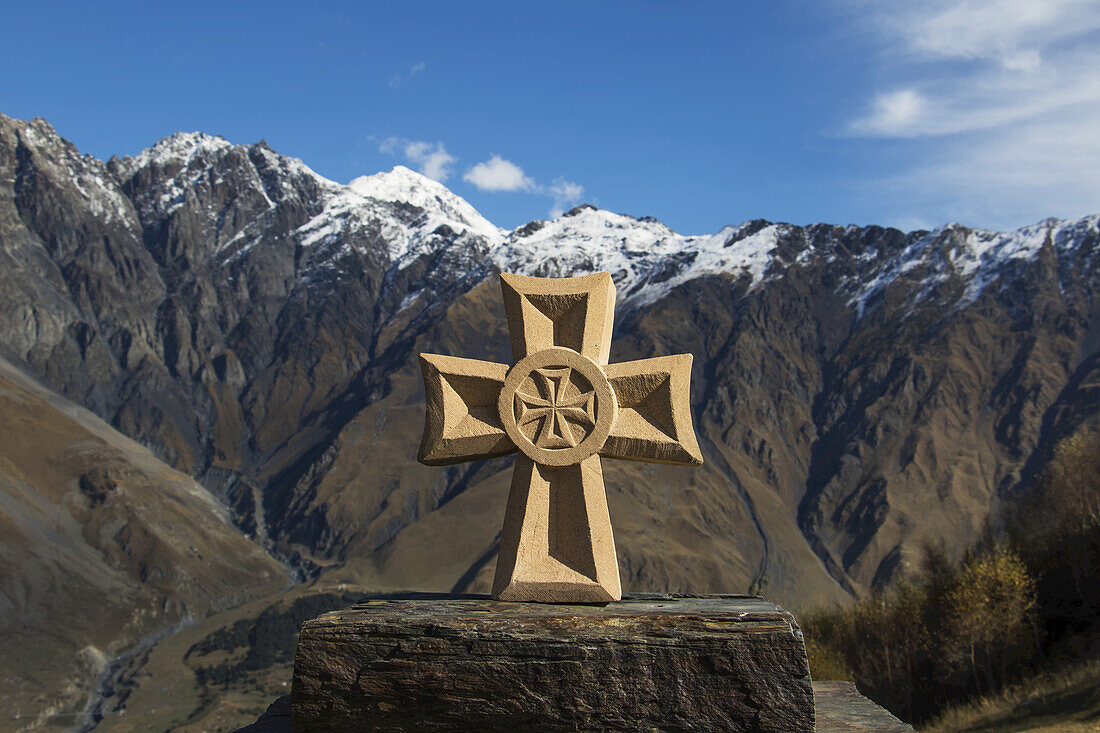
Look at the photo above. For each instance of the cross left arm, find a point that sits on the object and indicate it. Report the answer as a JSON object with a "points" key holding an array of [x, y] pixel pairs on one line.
{"points": [[462, 422]]}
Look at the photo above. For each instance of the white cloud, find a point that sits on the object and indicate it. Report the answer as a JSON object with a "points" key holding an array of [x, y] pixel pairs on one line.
{"points": [[892, 113], [979, 63], [397, 80], [431, 159], [999, 100], [994, 95], [498, 174], [982, 29], [1008, 178], [1027, 59], [565, 193]]}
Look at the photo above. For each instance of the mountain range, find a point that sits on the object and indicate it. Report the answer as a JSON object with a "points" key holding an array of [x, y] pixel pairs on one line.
{"points": [[208, 366]]}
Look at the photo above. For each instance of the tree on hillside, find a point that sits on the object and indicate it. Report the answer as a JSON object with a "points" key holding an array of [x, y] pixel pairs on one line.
{"points": [[963, 630], [988, 610], [1071, 491], [1058, 530], [880, 643]]}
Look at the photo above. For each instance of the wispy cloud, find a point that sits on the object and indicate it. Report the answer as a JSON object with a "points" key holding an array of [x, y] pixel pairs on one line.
{"points": [[498, 174], [945, 102], [431, 159], [1000, 97], [1006, 178], [892, 113], [983, 29], [397, 80], [565, 194]]}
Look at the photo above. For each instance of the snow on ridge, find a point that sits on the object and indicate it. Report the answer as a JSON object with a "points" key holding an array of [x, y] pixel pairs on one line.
{"points": [[976, 255], [33, 137], [646, 258], [985, 252], [103, 196], [983, 247], [292, 167], [87, 173], [182, 148], [178, 147]]}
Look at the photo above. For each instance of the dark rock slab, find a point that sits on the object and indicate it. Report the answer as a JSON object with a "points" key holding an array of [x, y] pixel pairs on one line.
{"points": [[276, 719], [841, 709], [445, 662]]}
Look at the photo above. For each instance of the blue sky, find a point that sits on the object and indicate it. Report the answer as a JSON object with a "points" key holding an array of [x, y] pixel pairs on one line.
{"points": [[909, 114]]}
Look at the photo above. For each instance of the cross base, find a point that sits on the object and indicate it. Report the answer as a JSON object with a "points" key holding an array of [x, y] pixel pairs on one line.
{"points": [[439, 662]]}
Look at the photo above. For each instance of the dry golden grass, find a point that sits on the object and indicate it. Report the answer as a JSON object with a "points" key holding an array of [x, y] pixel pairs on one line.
{"points": [[1062, 701]]}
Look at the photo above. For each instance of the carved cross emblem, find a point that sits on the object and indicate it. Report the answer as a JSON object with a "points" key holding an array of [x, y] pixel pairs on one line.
{"points": [[559, 410], [562, 406]]}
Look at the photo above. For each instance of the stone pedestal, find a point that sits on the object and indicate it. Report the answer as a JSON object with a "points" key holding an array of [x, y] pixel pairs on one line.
{"points": [[439, 662]]}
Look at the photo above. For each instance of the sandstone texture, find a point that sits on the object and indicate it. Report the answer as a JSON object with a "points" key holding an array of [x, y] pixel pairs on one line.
{"points": [[562, 407], [732, 663]]}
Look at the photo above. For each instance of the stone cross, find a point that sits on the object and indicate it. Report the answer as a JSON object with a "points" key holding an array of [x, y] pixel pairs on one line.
{"points": [[562, 406]]}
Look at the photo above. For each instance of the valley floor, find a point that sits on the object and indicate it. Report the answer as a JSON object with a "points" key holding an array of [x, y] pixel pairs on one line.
{"points": [[210, 676]]}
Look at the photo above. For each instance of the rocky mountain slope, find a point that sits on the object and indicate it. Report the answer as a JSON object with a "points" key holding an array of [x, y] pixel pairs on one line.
{"points": [[857, 390], [102, 545]]}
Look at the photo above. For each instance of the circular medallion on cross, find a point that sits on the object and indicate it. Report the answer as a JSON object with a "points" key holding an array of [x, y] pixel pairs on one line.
{"points": [[557, 406]]}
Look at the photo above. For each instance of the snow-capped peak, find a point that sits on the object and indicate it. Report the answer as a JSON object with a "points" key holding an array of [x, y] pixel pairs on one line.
{"points": [[180, 147], [403, 185], [400, 184], [38, 132]]}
